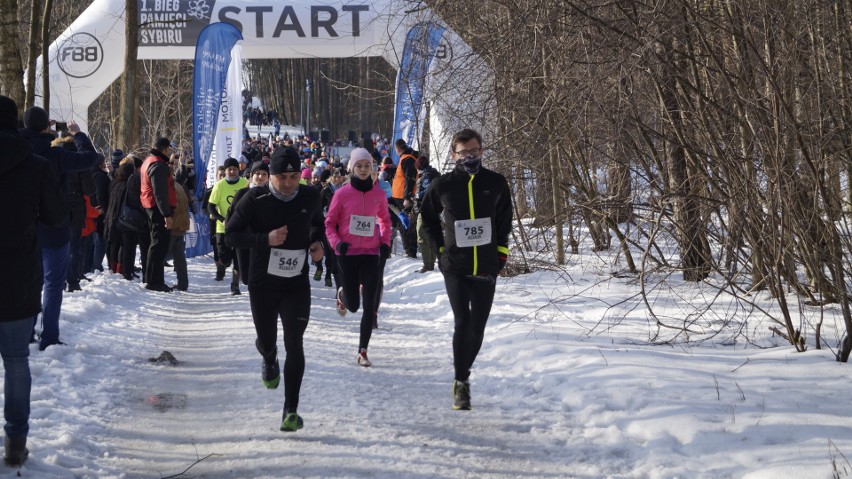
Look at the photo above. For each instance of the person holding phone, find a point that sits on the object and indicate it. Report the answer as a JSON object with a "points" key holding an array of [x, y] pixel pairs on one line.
{"points": [[55, 242]]}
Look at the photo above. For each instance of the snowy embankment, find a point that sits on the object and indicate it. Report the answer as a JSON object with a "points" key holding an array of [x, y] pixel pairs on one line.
{"points": [[562, 388]]}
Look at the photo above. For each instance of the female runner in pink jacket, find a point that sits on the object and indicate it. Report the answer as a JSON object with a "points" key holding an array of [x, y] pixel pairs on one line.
{"points": [[358, 228]]}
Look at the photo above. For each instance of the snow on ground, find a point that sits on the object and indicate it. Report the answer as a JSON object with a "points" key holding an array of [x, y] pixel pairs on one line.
{"points": [[563, 388]]}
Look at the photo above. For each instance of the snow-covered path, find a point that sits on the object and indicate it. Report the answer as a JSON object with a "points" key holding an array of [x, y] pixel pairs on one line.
{"points": [[393, 420], [566, 386]]}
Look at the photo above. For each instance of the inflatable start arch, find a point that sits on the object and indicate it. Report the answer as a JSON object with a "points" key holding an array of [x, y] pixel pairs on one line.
{"points": [[89, 55]]}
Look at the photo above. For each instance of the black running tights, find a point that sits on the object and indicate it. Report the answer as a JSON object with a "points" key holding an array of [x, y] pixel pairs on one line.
{"points": [[357, 270], [471, 303], [293, 305]]}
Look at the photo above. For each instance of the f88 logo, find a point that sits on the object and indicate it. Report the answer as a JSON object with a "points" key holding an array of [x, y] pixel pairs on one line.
{"points": [[80, 55]]}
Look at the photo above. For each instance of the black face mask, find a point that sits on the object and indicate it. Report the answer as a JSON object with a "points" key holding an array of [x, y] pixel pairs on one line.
{"points": [[361, 185], [469, 164]]}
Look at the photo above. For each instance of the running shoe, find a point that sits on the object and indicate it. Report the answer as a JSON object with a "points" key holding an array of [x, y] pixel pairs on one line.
{"points": [[328, 281], [291, 421], [318, 274], [363, 360], [270, 374], [341, 308], [461, 396]]}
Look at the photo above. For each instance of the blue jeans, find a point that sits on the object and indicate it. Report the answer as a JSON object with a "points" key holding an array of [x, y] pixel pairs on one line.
{"points": [[17, 382], [55, 265], [99, 252]]}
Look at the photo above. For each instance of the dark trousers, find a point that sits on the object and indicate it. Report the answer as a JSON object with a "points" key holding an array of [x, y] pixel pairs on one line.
{"points": [[357, 270], [409, 242], [293, 305], [227, 256], [75, 257], [330, 262], [212, 224], [380, 284], [471, 301], [177, 250], [159, 247], [129, 242], [113, 253]]}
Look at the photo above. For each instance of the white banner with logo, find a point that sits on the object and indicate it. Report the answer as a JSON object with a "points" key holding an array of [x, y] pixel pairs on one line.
{"points": [[229, 128]]}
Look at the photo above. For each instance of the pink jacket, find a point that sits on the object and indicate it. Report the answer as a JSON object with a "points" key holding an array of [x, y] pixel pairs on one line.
{"points": [[348, 201]]}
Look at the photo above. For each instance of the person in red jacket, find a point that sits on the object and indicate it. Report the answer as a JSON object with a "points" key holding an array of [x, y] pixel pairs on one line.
{"points": [[358, 228], [159, 199]]}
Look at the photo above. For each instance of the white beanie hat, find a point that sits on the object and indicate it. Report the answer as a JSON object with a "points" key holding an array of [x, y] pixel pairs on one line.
{"points": [[359, 154]]}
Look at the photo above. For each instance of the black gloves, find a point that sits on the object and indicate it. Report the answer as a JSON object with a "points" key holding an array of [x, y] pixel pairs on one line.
{"points": [[503, 258], [342, 248], [384, 251]]}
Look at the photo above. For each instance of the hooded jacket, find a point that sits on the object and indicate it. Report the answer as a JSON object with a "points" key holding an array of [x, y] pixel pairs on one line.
{"points": [[33, 184], [348, 201], [459, 196]]}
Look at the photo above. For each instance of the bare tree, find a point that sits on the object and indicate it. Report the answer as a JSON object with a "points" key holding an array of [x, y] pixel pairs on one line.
{"points": [[11, 66], [128, 125]]}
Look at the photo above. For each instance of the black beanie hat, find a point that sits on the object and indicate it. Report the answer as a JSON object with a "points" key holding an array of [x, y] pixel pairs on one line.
{"points": [[231, 162], [284, 160], [162, 143], [36, 119], [259, 165], [8, 113]]}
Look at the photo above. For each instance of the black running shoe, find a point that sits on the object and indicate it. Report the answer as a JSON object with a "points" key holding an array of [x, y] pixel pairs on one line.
{"points": [[461, 396], [270, 374]]}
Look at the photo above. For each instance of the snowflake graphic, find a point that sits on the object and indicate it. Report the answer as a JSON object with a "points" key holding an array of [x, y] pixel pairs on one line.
{"points": [[198, 9]]}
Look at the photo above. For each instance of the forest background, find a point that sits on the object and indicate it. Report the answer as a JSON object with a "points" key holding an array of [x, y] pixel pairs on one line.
{"points": [[707, 139]]}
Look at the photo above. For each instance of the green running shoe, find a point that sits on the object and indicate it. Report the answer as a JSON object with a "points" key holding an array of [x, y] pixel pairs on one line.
{"points": [[270, 374], [461, 396], [291, 422], [318, 274]]}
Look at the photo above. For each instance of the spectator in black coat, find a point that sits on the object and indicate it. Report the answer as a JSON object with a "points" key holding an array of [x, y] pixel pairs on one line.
{"points": [[55, 242], [32, 183], [101, 200]]}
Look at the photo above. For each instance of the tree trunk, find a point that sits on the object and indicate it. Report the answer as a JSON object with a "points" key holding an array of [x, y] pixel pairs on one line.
{"points": [[128, 127], [11, 68], [32, 53], [45, 46]]}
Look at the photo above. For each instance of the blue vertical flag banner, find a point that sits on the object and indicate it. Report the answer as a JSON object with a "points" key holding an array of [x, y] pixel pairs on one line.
{"points": [[212, 58], [417, 54]]}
